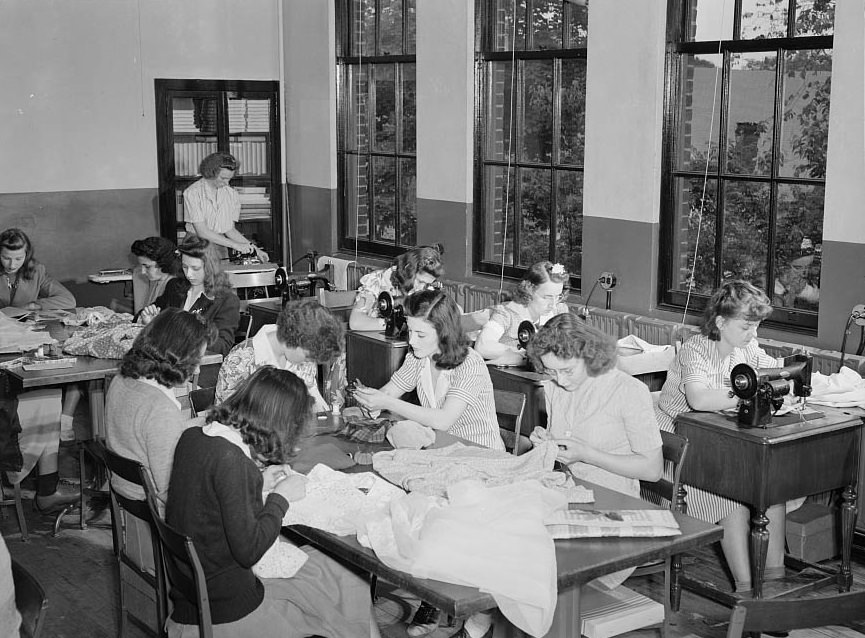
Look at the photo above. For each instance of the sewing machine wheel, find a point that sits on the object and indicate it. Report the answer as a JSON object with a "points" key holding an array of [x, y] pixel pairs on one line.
{"points": [[743, 380], [385, 305], [280, 279], [525, 331]]}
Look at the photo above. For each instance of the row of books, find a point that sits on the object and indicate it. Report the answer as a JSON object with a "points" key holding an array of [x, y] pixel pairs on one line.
{"points": [[254, 203], [251, 153]]}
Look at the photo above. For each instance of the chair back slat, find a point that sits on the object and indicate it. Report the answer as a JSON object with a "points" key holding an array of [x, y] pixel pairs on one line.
{"points": [[182, 564], [784, 614], [510, 408], [674, 449]]}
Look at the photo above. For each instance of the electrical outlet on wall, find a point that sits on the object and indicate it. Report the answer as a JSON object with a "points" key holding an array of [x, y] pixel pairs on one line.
{"points": [[607, 280]]}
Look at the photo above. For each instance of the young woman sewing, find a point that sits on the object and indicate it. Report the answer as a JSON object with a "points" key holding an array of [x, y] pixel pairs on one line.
{"points": [[204, 289], [215, 497], [416, 269], [537, 298]]}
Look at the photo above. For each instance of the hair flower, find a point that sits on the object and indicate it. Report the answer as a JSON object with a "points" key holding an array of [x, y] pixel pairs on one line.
{"points": [[557, 269]]}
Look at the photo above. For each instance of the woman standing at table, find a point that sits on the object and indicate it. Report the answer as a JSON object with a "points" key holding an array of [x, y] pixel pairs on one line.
{"points": [[417, 269], [537, 298], [305, 334], [601, 417], [25, 282], [26, 285], [159, 263], [204, 289], [699, 379], [215, 497], [211, 206]]}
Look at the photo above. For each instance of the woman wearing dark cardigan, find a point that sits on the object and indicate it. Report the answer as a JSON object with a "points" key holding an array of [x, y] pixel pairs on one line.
{"points": [[215, 497], [204, 289]]}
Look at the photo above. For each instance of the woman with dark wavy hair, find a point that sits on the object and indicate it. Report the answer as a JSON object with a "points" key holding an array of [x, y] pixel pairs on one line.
{"points": [[601, 417], [305, 334], [416, 269], [215, 497], [538, 297], [159, 263], [451, 379], [204, 289]]}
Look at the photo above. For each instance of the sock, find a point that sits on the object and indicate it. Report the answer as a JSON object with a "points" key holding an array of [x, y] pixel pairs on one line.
{"points": [[46, 484], [742, 587], [478, 624], [66, 421]]}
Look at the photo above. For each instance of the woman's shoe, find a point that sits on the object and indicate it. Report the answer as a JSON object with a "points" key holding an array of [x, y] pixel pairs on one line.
{"points": [[425, 621], [55, 502], [462, 633]]}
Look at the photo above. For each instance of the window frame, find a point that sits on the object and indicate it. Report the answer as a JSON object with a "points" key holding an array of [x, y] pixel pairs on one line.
{"points": [[670, 298], [484, 57], [346, 61]]}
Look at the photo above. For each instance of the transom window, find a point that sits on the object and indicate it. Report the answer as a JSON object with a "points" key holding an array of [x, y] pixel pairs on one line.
{"points": [[377, 168], [745, 145], [531, 65]]}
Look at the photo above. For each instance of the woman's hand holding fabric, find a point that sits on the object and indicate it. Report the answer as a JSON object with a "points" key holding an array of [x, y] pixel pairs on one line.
{"points": [[148, 313], [372, 399], [291, 487], [272, 475], [571, 450], [539, 435]]}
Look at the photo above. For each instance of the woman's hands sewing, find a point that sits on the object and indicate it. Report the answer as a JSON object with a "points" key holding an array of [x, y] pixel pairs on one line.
{"points": [[371, 399], [283, 481], [148, 314], [571, 450]]}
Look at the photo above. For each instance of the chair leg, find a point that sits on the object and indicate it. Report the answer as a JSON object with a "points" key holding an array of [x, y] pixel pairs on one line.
{"points": [[82, 522], [675, 589], [124, 616], [19, 511]]}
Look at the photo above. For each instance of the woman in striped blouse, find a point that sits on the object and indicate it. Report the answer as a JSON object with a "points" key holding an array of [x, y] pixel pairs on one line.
{"points": [[699, 379]]}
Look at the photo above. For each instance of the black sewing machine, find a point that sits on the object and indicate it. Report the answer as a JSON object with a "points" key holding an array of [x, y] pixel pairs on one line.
{"points": [[292, 286], [395, 326], [525, 331], [761, 391]]}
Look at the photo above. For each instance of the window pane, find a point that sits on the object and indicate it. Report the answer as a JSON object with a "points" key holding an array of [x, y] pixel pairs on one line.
{"points": [[500, 111], [578, 24], [356, 113], [385, 107], [798, 246], [498, 200], [534, 215], [410, 26], [508, 28], [746, 231], [815, 17], [696, 216], [546, 24], [805, 124], [390, 27], [764, 19], [362, 27], [408, 201], [573, 137], [699, 121], [569, 220], [709, 20], [356, 202], [384, 199], [409, 110], [537, 140], [751, 113]]}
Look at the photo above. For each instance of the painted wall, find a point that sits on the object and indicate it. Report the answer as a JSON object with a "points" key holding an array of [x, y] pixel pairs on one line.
{"points": [[78, 170]]}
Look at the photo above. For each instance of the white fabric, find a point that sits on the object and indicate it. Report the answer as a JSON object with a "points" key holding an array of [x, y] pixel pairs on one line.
{"points": [[470, 540], [842, 389]]}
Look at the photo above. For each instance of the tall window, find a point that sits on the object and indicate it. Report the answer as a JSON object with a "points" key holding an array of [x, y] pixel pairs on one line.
{"points": [[745, 144], [377, 142], [531, 65]]}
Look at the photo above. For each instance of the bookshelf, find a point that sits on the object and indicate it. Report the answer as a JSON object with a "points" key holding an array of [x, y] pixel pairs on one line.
{"points": [[199, 117]]}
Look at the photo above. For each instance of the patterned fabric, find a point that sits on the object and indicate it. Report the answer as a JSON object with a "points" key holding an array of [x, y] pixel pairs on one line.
{"points": [[247, 357], [505, 320], [698, 361], [109, 340], [470, 382], [611, 412], [371, 286], [364, 430], [218, 211]]}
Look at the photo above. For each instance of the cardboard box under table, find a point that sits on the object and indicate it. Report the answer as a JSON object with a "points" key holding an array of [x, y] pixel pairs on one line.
{"points": [[812, 533]]}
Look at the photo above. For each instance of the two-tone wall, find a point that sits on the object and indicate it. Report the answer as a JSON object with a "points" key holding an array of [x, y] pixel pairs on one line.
{"points": [[78, 168]]}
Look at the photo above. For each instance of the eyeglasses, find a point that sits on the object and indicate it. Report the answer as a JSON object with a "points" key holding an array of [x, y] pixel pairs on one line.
{"points": [[552, 298]]}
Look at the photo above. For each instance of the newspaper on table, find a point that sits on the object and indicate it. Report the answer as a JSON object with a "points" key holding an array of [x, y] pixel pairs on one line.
{"points": [[584, 523]]}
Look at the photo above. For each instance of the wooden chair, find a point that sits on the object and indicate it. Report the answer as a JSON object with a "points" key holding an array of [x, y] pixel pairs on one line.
{"points": [[182, 566], [510, 407], [667, 490], [783, 614], [30, 600], [131, 471], [15, 500], [201, 399]]}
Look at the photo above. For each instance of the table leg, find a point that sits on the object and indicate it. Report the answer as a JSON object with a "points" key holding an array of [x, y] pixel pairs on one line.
{"points": [[759, 549], [848, 521], [96, 393], [567, 619]]}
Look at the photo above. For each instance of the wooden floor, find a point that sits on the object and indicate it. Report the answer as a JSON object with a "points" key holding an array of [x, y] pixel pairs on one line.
{"points": [[78, 571]]}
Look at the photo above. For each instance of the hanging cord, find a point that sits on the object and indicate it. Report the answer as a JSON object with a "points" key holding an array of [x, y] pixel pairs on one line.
{"points": [[705, 176], [510, 144]]}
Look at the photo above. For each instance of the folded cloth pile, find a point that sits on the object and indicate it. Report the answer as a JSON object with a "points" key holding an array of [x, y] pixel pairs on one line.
{"points": [[637, 356], [842, 389], [94, 316], [410, 434], [432, 471]]}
